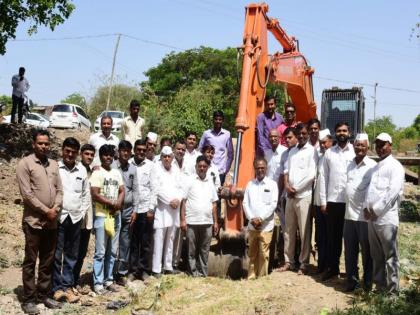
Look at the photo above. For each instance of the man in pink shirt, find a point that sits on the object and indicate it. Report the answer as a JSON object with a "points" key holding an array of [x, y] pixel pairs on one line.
{"points": [[290, 121]]}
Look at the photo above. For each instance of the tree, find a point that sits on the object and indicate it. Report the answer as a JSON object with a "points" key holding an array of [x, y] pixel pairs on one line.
{"points": [[49, 13], [6, 100], [416, 124], [383, 124], [75, 98]]}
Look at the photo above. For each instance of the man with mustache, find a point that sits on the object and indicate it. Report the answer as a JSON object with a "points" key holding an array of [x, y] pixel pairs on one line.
{"points": [[333, 195]]}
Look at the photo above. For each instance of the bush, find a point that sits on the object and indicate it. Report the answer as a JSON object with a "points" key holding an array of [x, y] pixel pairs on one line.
{"points": [[409, 211]]}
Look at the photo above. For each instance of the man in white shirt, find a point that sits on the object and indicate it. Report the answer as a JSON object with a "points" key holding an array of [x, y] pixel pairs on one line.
{"points": [[333, 195], [273, 155], [260, 201], [299, 176], [212, 172], [191, 154], [355, 232], [103, 136], [142, 237], [314, 125], [382, 203], [132, 126], [151, 142], [167, 217], [20, 86], [199, 217], [325, 142], [76, 201]]}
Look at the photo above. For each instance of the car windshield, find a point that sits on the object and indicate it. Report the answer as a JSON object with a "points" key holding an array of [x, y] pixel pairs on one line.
{"points": [[113, 114], [62, 108]]}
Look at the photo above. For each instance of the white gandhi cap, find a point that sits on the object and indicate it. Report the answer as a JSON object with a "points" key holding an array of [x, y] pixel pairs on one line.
{"points": [[323, 133], [166, 150], [362, 137], [384, 137], [152, 136]]}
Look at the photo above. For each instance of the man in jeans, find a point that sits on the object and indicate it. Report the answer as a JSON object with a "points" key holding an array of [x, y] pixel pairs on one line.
{"points": [[128, 212], [76, 201], [40, 186], [199, 217], [20, 87], [107, 190]]}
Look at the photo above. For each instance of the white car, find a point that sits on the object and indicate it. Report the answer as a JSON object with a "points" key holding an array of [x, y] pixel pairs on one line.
{"points": [[69, 116], [117, 119], [33, 119]]}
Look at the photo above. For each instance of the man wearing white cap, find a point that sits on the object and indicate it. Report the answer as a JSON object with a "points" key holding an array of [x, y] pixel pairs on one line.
{"points": [[355, 232], [151, 143], [333, 195], [382, 203], [325, 142], [167, 216]]}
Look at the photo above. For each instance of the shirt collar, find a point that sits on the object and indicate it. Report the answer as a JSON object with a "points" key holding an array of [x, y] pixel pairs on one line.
{"points": [[111, 136], [202, 180], [140, 164], [118, 164], [219, 133], [38, 161], [346, 148], [261, 182], [64, 166]]}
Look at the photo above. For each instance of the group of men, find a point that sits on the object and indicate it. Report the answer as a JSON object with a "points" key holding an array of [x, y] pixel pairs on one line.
{"points": [[349, 196], [136, 203], [139, 205]]}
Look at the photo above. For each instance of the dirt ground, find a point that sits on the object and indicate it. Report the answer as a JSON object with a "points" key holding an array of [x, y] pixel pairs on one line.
{"points": [[278, 293]]}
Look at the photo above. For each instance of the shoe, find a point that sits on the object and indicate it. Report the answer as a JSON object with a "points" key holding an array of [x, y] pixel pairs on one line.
{"points": [[144, 276], [122, 281], [30, 308], [302, 271], [59, 295], [329, 275], [284, 268], [131, 277], [171, 272], [156, 275], [71, 297], [85, 290], [112, 288], [52, 304], [99, 290]]}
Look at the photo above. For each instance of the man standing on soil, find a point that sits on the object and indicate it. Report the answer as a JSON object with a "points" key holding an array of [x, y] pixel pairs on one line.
{"points": [[76, 201], [141, 243], [107, 190], [383, 202], [103, 136], [220, 139], [40, 186], [20, 87], [333, 195], [191, 154], [128, 212], [359, 173], [199, 217], [273, 155], [151, 142], [299, 176], [266, 121], [313, 127], [132, 126], [87, 155], [167, 218], [260, 201]]}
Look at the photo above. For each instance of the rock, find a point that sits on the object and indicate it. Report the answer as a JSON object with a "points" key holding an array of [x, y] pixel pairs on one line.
{"points": [[140, 312], [136, 287]]}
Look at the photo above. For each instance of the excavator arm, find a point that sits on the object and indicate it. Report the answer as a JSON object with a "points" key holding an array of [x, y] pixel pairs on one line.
{"points": [[288, 67]]}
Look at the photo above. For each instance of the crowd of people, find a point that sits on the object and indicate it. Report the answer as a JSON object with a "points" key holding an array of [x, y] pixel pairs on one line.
{"points": [[140, 204]]}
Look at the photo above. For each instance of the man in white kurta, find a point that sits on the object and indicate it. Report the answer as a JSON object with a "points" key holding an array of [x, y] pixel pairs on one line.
{"points": [[273, 155], [260, 201], [382, 203], [167, 217]]}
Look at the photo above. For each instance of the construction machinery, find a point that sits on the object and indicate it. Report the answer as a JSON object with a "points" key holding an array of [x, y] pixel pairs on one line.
{"points": [[343, 105], [289, 68]]}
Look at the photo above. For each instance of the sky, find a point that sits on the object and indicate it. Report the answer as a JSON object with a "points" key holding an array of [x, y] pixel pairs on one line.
{"points": [[349, 43]]}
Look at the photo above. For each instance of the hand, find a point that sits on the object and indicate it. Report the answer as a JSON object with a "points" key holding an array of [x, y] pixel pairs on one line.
{"points": [[366, 214], [290, 191], [373, 215], [174, 203], [324, 209], [183, 225], [52, 214], [150, 215], [215, 228], [133, 218], [95, 168]]}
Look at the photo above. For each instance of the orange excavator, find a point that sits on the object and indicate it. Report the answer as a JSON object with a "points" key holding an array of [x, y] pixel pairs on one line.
{"points": [[288, 68]]}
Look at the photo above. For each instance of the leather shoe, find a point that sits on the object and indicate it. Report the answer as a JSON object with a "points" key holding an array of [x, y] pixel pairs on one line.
{"points": [[30, 308], [328, 275], [50, 303]]}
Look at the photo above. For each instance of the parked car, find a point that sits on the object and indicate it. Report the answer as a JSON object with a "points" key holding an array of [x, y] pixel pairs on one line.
{"points": [[117, 119], [69, 116], [33, 119]]}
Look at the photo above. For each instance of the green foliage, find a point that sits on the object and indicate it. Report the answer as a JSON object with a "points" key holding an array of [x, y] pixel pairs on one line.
{"points": [[416, 124], [48, 13], [408, 302], [6, 100], [409, 212], [383, 124], [75, 98], [121, 95]]}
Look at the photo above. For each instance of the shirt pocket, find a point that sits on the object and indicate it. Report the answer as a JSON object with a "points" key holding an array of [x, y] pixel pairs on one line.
{"points": [[78, 185], [266, 197]]}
